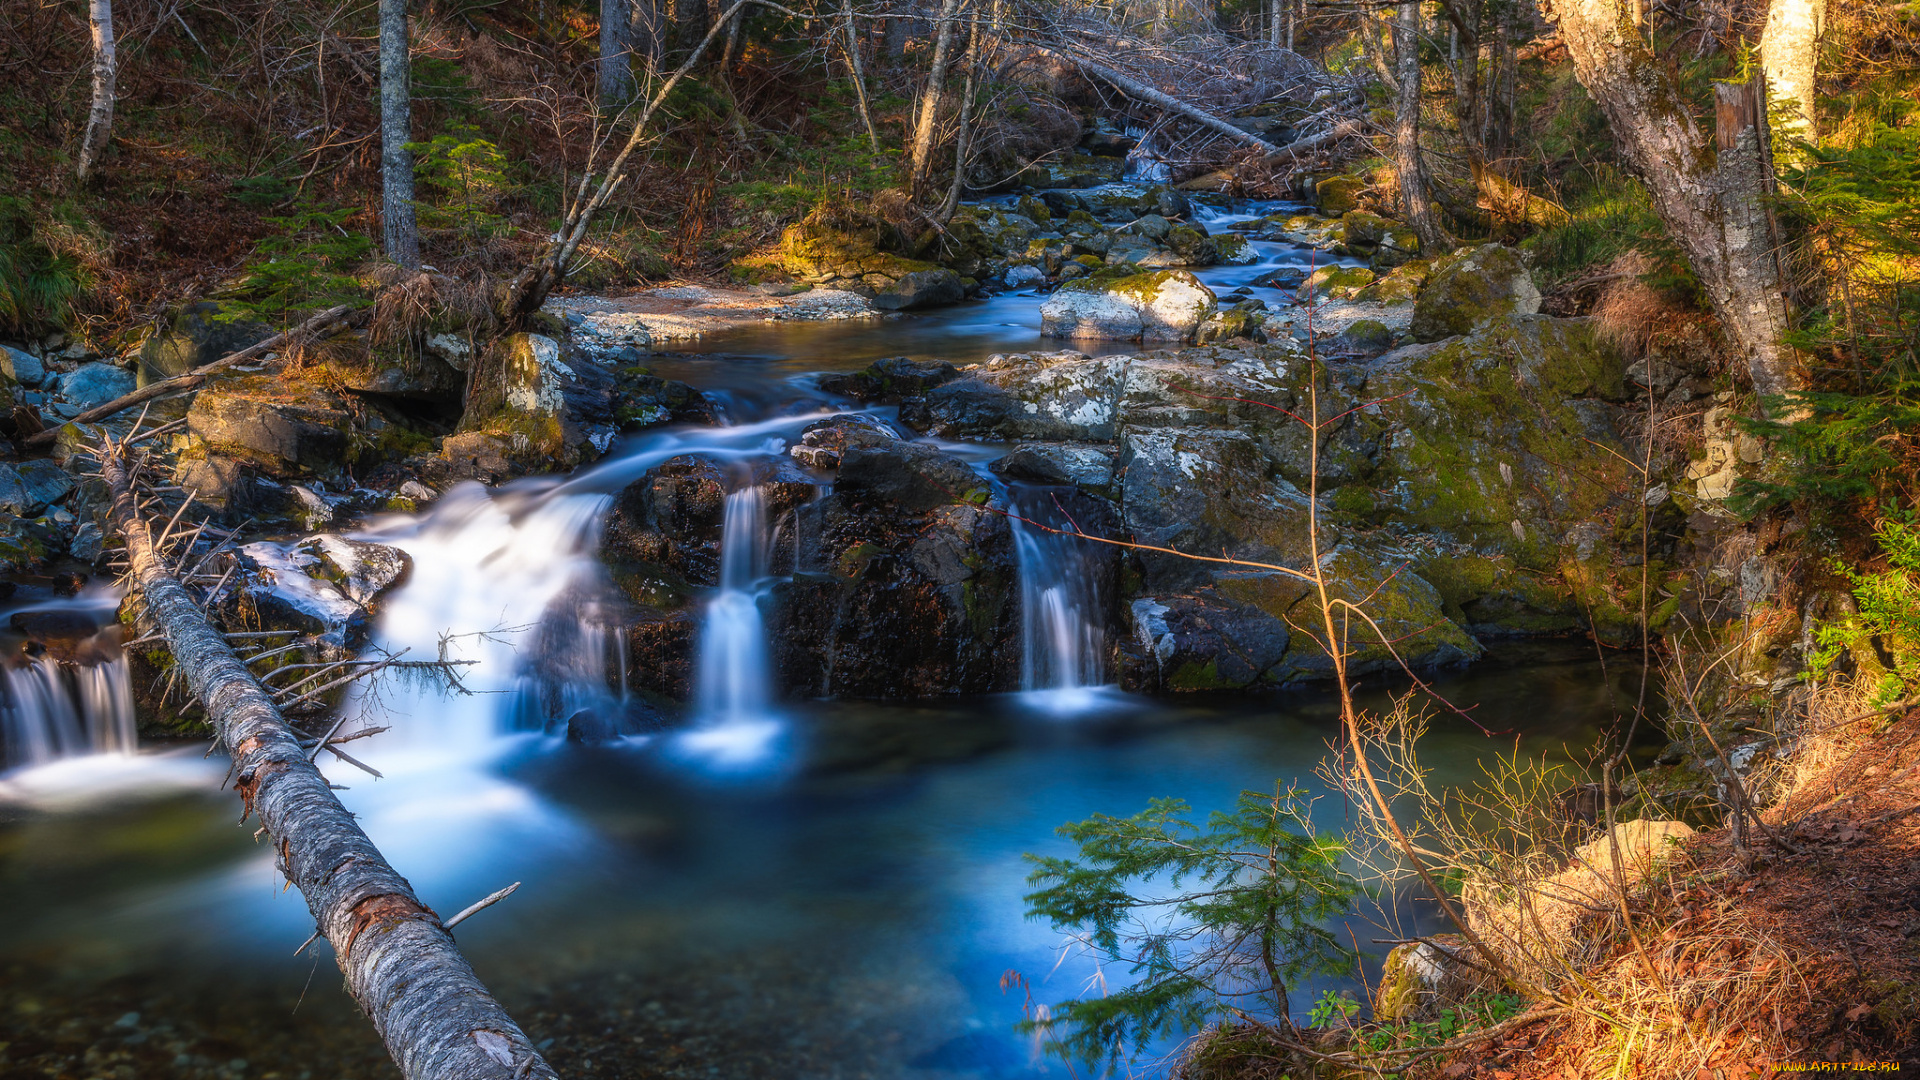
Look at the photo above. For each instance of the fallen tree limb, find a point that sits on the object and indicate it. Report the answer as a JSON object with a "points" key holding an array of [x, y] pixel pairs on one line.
{"points": [[327, 322], [1140, 91], [401, 965]]}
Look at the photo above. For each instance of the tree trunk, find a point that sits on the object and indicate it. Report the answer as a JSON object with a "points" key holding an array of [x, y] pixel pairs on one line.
{"points": [[327, 322], [962, 143], [616, 51], [1410, 171], [1788, 48], [645, 34], [1142, 92], [401, 965], [401, 235], [930, 99], [859, 75], [105, 69], [1710, 189]]}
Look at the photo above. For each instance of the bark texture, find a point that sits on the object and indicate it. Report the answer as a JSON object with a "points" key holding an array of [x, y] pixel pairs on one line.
{"points": [[1711, 189], [99, 130], [398, 230], [401, 965], [616, 51], [931, 97], [1788, 48], [1410, 171], [1140, 91]]}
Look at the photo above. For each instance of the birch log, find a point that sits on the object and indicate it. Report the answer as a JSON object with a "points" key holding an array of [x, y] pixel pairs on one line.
{"points": [[105, 69], [401, 965]]}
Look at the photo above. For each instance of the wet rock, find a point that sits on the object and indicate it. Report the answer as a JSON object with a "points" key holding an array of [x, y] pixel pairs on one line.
{"points": [[29, 488], [261, 425], [1339, 282], [1367, 337], [907, 477], [22, 367], [891, 379], [1200, 642], [920, 289], [671, 519], [95, 384], [1054, 395], [1087, 466], [1024, 276], [200, 334], [88, 543], [1468, 292], [1165, 306], [551, 410], [322, 587], [642, 399]]}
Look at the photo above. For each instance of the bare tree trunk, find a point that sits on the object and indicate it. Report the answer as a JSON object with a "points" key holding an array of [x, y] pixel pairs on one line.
{"points": [[401, 965], [646, 35], [1140, 91], [930, 99], [401, 235], [1410, 171], [616, 51], [962, 143], [1788, 49], [105, 70], [859, 75], [1710, 189]]}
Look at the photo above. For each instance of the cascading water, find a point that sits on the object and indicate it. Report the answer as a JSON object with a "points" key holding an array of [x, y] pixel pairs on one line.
{"points": [[734, 723], [66, 692], [1062, 633], [1143, 163]]}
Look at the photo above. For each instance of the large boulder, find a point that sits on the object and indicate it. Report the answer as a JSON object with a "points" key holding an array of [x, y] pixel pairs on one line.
{"points": [[95, 384], [548, 409], [920, 289], [1168, 305], [29, 488], [22, 367], [200, 334], [258, 421], [1469, 291], [891, 379]]}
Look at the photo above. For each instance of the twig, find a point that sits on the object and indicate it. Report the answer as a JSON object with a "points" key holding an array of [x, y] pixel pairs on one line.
{"points": [[480, 905]]}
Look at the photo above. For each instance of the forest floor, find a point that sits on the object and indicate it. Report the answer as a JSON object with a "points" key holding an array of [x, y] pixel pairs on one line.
{"points": [[1817, 945]]}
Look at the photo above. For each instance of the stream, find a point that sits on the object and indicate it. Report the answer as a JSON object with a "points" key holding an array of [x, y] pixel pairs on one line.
{"points": [[776, 888]]}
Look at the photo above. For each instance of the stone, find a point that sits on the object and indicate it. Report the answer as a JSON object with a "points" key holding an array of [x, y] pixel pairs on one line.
{"points": [[1339, 282], [281, 438], [1085, 466], [362, 570], [1469, 291], [891, 379], [1024, 276], [1367, 337], [908, 476], [921, 289], [29, 488], [88, 543], [1422, 979], [1338, 195], [22, 367], [200, 334], [1165, 306], [96, 384], [305, 587], [450, 349]]}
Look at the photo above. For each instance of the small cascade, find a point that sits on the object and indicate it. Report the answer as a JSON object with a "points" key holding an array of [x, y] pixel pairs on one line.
{"points": [[66, 692], [1062, 630], [732, 688], [1143, 163]]}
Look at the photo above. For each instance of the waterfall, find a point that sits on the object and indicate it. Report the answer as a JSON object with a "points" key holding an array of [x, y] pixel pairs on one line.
{"points": [[733, 718], [1061, 625], [1143, 162], [54, 709]]}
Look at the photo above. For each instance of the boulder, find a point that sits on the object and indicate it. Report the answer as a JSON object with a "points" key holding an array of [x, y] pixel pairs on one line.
{"points": [[95, 384], [1165, 306], [323, 587], [1024, 276], [1339, 282], [891, 379], [22, 367], [1337, 195], [1086, 466], [920, 289], [552, 410], [200, 334], [29, 488], [257, 422], [1469, 291]]}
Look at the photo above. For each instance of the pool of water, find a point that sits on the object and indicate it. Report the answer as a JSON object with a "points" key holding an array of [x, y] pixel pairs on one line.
{"points": [[848, 910]]}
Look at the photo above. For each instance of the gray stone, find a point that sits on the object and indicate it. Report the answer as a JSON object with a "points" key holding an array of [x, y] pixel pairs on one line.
{"points": [[29, 488], [200, 334], [22, 367], [91, 385], [1469, 292], [1024, 276], [921, 288]]}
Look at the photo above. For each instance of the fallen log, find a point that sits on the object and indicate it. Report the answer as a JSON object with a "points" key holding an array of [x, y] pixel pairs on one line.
{"points": [[327, 322], [401, 965], [1140, 91]]}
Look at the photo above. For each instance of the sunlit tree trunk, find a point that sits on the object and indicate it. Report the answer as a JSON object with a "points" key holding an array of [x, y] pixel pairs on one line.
{"points": [[1788, 49], [1416, 206], [930, 98], [859, 74], [99, 118], [1710, 188], [400, 234]]}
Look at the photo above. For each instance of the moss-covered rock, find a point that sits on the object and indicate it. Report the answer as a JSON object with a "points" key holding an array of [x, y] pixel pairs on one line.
{"points": [[1400, 285], [1471, 290], [1338, 195], [1339, 282]]}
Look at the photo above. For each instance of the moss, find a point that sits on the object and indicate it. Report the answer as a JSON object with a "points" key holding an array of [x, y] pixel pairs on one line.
{"points": [[1232, 248], [1194, 675], [1361, 231], [1338, 195], [1340, 282], [1091, 262], [1400, 285]]}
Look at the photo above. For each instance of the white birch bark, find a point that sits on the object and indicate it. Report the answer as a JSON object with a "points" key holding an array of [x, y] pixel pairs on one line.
{"points": [[398, 230], [100, 117], [1789, 47]]}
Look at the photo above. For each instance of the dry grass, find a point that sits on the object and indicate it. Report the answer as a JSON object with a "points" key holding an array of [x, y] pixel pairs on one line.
{"points": [[1629, 312]]}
